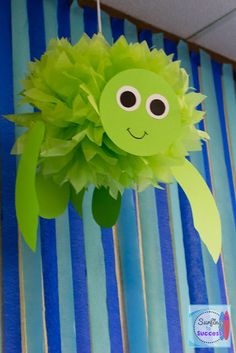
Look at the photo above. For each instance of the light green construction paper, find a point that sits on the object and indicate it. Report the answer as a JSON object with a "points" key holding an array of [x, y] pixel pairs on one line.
{"points": [[206, 216], [105, 208], [52, 198], [136, 131], [27, 208], [77, 200]]}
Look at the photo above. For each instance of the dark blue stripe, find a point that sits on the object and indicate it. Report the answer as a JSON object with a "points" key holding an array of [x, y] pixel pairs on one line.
{"points": [[170, 47], [145, 35], [168, 268], [90, 21], [9, 239], [36, 28], [195, 62], [117, 28], [50, 282], [63, 18], [79, 282], [47, 227], [217, 75], [112, 292]]}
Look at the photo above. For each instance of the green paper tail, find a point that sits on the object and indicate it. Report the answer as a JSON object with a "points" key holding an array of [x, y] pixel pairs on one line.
{"points": [[27, 208], [205, 213], [105, 208]]}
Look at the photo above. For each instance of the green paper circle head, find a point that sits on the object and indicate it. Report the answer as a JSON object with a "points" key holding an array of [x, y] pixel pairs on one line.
{"points": [[140, 112]]}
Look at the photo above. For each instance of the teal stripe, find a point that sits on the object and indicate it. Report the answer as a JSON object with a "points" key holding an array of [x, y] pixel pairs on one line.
{"points": [[230, 105], [65, 285], [220, 180], [158, 40], [32, 279], [106, 27], [157, 325], [96, 279], [211, 273], [130, 32], [31, 262], [50, 19], [76, 22]]}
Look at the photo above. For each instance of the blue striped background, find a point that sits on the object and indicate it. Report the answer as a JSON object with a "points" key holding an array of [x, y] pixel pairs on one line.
{"points": [[126, 289]]}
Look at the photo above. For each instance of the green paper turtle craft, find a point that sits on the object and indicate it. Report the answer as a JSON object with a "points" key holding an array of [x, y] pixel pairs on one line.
{"points": [[115, 117]]}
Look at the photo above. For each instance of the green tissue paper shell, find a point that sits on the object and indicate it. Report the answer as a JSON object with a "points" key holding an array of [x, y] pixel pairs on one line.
{"points": [[65, 87]]}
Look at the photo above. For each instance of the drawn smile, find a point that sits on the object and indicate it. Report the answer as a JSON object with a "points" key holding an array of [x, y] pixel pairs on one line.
{"points": [[137, 137]]}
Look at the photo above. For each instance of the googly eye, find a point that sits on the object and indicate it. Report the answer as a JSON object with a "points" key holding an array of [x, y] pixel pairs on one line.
{"points": [[157, 106], [128, 98]]}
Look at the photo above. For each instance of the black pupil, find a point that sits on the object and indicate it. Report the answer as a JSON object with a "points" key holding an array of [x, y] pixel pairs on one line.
{"points": [[157, 107], [128, 99]]}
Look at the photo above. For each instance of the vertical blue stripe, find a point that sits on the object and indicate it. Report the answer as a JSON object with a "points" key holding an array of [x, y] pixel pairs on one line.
{"points": [[131, 275], [10, 285], [181, 270], [65, 285], [158, 40], [150, 260], [47, 227], [117, 26], [50, 19], [36, 28], [76, 22], [217, 75], [230, 105], [169, 278], [146, 35], [31, 262], [96, 279], [167, 255], [112, 292], [80, 291], [130, 259], [156, 309], [63, 18], [106, 27], [50, 281], [90, 21]]}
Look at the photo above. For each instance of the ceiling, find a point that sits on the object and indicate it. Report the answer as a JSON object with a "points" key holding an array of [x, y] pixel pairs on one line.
{"points": [[208, 23]]}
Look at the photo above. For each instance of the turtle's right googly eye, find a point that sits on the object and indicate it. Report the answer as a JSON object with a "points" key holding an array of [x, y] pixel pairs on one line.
{"points": [[157, 106], [128, 98]]}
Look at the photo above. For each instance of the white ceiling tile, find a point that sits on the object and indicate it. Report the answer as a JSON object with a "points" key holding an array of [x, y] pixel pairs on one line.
{"points": [[180, 17], [220, 38]]}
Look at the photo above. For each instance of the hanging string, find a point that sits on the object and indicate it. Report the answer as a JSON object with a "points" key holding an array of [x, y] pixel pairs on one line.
{"points": [[99, 16]]}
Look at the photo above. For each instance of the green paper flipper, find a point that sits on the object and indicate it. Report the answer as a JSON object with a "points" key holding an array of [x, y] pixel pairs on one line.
{"points": [[206, 216], [105, 208], [77, 200], [27, 208], [53, 198]]}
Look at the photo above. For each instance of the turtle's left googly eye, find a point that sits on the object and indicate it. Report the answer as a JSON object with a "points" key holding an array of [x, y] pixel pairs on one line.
{"points": [[157, 106], [128, 98]]}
